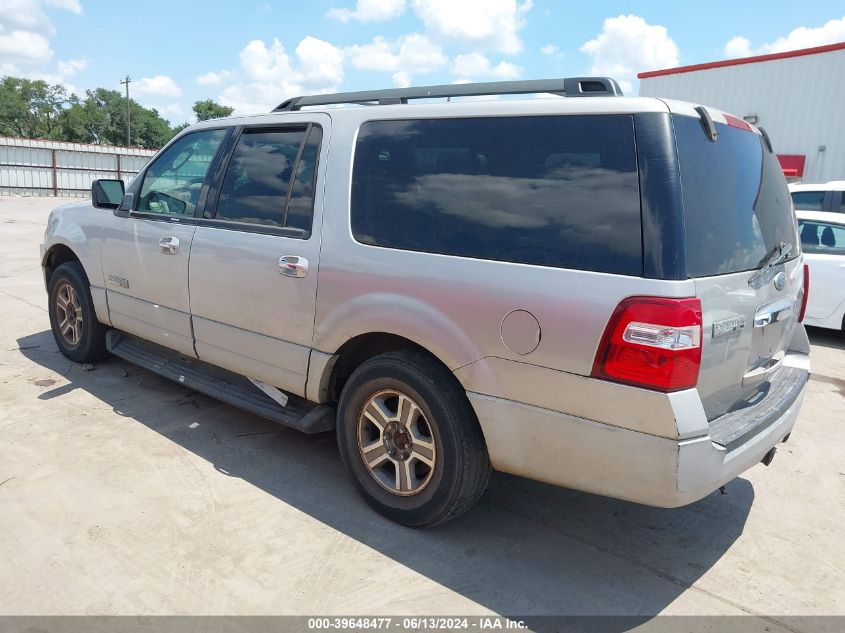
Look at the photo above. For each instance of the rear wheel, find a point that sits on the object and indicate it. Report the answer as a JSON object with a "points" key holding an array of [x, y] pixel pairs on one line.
{"points": [[410, 440], [78, 333]]}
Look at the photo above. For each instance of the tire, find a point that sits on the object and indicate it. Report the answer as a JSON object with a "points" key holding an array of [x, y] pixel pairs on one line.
{"points": [[428, 462], [83, 342]]}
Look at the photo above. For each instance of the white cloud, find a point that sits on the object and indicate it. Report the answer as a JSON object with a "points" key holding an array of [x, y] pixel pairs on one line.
{"points": [[369, 11], [268, 75], [493, 24], [738, 46], [831, 32], [25, 32], [477, 66], [401, 79], [406, 56], [71, 66], [213, 78], [158, 85], [69, 5], [627, 45], [172, 110], [26, 48]]}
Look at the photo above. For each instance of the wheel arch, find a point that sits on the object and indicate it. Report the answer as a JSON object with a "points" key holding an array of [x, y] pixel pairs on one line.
{"points": [[57, 255], [359, 349]]}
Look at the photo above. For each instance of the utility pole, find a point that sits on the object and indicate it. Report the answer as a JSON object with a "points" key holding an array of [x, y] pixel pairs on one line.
{"points": [[128, 122]]}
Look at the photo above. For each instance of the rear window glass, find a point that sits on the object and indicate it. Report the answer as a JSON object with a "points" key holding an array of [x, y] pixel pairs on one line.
{"points": [[736, 203], [550, 191], [808, 200]]}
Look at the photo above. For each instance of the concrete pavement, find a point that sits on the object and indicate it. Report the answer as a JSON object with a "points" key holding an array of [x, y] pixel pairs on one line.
{"points": [[123, 493]]}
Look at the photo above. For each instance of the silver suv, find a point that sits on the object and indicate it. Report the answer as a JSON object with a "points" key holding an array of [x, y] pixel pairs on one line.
{"points": [[600, 292]]}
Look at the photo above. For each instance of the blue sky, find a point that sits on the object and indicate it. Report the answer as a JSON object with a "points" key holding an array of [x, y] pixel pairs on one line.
{"points": [[254, 54]]}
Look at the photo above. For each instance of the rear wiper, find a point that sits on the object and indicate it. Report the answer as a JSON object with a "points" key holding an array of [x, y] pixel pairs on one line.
{"points": [[778, 255]]}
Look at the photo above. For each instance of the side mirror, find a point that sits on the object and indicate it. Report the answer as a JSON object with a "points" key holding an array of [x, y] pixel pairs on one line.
{"points": [[107, 194]]}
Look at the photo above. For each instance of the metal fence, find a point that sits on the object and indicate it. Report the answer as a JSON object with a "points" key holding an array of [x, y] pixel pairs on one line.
{"points": [[30, 167]]}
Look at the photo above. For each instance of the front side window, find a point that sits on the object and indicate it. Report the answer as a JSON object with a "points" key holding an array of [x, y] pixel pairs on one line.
{"points": [[558, 191], [270, 178], [822, 238], [808, 200], [173, 182]]}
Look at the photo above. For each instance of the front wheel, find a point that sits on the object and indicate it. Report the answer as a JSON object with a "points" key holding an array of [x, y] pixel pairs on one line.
{"points": [[78, 333], [410, 441]]}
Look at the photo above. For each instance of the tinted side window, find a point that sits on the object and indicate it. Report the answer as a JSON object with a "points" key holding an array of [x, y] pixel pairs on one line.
{"points": [[301, 204], [255, 187], [173, 182], [808, 200], [556, 191], [820, 237]]}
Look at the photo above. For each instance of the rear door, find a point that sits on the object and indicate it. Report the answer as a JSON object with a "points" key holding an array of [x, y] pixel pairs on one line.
{"points": [[253, 273], [738, 214]]}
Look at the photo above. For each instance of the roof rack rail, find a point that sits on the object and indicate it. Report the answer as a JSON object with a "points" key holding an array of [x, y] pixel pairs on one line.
{"points": [[567, 87]]}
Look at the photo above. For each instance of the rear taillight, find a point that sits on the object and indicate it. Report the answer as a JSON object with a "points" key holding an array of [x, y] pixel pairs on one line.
{"points": [[805, 293], [652, 342]]}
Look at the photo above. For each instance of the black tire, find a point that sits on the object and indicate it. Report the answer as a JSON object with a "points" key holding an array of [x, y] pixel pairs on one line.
{"points": [[461, 468], [91, 345]]}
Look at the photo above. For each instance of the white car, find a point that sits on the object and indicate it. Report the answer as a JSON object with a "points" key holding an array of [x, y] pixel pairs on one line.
{"points": [[823, 243]]}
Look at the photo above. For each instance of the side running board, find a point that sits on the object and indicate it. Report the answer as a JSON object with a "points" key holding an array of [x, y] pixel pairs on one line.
{"points": [[220, 383]]}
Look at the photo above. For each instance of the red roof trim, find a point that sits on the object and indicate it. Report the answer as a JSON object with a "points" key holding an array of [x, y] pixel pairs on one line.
{"points": [[742, 60]]}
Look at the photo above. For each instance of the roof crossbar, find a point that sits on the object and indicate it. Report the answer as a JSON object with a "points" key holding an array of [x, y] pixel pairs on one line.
{"points": [[567, 87]]}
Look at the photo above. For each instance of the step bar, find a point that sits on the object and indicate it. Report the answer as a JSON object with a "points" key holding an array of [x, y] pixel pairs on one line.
{"points": [[220, 383]]}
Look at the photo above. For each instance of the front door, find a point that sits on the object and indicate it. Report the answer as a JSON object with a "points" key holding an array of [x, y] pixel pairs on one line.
{"points": [[145, 255], [253, 273]]}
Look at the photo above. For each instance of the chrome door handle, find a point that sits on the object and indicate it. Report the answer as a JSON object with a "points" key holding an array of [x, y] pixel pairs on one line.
{"points": [[777, 311], [169, 245], [293, 266]]}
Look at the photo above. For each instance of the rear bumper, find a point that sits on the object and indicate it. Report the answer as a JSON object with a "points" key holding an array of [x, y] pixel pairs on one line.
{"points": [[594, 457]]}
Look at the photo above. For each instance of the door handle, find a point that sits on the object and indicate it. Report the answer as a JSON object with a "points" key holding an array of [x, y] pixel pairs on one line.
{"points": [[169, 245], [293, 266], [773, 312]]}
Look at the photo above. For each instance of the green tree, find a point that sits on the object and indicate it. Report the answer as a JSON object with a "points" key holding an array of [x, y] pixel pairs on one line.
{"points": [[30, 108], [209, 109], [101, 118], [35, 109], [180, 127]]}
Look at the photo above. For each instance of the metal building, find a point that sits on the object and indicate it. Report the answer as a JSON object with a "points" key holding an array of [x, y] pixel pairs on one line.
{"points": [[31, 167], [797, 96]]}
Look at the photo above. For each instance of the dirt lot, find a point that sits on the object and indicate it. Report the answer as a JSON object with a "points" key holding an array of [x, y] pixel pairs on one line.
{"points": [[122, 493]]}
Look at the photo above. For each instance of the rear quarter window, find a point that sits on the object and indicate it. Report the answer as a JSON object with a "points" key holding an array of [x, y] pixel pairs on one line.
{"points": [[558, 191]]}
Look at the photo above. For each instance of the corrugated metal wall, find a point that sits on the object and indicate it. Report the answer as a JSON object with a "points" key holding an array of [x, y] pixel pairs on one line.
{"points": [[798, 100], [30, 167]]}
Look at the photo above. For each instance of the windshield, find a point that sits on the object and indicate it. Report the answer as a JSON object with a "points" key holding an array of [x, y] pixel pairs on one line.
{"points": [[737, 207]]}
